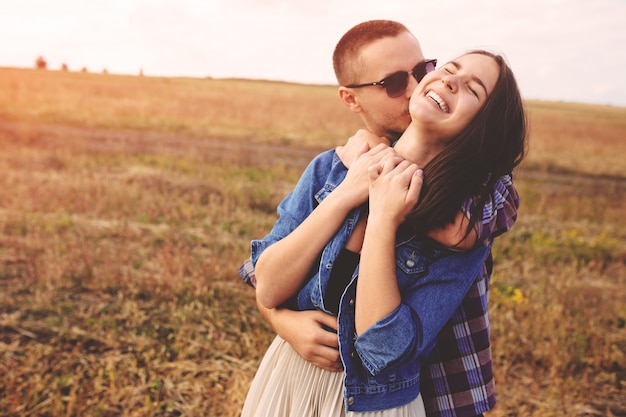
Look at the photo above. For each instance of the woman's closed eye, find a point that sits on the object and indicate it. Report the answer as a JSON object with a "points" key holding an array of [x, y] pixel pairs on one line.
{"points": [[452, 69], [473, 91]]}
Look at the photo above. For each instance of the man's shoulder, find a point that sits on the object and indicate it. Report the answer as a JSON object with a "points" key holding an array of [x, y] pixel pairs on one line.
{"points": [[327, 167]]}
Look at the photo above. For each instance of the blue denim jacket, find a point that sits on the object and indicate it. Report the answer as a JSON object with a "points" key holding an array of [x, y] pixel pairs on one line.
{"points": [[382, 365]]}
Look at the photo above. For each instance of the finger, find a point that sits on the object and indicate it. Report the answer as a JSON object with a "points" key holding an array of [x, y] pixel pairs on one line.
{"points": [[415, 187], [406, 169], [375, 152], [328, 339], [392, 156], [328, 320], [328, 366], [388, 165], [328, 359], [367, 136], [381, 156], [373, 172], [363, 149], [374, 140], [396, 167]]}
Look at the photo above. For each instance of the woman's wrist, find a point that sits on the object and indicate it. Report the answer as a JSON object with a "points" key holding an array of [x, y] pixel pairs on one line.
{"points": [[346, 198], [381, 230], [383, 221]]}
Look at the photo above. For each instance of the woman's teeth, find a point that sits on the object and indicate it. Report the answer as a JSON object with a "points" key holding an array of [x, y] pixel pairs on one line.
{"points": [[437, 99]]}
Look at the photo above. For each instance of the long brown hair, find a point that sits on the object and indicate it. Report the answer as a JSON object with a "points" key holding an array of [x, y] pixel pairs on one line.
{"points": [[488, 148]]}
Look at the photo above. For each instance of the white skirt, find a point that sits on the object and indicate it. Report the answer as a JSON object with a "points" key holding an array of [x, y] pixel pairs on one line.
{"points": [[286, 385]]}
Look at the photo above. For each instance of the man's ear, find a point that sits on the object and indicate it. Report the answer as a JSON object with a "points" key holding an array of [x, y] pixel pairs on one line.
{"points": [[349, 99]]}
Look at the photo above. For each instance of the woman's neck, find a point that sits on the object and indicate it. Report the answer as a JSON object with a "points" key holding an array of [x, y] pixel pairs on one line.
{"points": [[417, 147]]}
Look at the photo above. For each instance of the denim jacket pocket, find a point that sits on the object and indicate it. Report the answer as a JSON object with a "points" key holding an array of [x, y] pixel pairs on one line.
{"points": [[413, 259], [411, 265]]}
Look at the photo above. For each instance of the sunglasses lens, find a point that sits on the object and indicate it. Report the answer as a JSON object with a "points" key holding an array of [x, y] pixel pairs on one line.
{"points": [[422, 69], [395, 84]]}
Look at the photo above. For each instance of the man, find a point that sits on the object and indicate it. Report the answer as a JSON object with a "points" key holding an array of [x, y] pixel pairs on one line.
{"points": [[378, 65]]}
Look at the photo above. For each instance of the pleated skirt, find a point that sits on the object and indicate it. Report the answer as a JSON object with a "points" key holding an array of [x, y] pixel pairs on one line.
{"points": [[286, 385]]}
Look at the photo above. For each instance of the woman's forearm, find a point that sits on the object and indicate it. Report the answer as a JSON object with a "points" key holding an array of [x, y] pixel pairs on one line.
{"points": [[377, 293], [394, 191], [283, 267]]}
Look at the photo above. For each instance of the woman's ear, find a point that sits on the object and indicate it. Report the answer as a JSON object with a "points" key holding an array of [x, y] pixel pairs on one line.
{"points": [[349, 99]]}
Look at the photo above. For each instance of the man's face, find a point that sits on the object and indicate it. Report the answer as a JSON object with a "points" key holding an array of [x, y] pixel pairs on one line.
{"points": [[383, 115]]}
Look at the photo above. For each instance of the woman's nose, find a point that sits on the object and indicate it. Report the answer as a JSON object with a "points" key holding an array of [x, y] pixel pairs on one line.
{"points": [[450, 82]]}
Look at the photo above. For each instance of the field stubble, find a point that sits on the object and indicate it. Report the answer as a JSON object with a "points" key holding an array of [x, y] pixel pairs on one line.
{"points": [[129, 203]]}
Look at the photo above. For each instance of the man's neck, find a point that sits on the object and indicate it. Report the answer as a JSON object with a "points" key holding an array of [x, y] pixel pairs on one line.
{"points": [[393, 136]]}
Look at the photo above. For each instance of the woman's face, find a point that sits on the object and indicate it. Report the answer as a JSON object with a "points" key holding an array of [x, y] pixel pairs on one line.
{"points": [[448, 98]]}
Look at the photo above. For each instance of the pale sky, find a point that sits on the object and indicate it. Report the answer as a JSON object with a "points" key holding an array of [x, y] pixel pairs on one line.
{"points": [[564, 50]]}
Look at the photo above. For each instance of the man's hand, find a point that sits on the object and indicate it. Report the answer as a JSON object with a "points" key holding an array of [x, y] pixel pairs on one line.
{"points": [[362, 141], [304, 331]]}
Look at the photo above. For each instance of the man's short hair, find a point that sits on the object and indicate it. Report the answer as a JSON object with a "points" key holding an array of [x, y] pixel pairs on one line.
{"points": [[348, 49]]}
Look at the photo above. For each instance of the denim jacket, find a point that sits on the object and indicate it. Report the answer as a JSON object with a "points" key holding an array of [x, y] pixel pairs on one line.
{"points": [[382, 365]]}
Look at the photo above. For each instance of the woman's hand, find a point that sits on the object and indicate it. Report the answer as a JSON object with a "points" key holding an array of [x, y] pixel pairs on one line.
{"points": [[355, 187], [394, 190]]}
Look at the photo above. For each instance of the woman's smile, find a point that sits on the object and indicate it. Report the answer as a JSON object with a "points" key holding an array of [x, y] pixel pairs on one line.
{"points": [[441, 103]]}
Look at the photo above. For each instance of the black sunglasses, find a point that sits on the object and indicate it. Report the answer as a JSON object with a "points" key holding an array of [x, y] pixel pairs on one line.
{"points": [[396, 83]]}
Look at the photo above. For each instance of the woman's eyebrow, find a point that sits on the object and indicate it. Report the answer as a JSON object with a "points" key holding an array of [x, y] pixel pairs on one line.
{"points": [[475, 78]]}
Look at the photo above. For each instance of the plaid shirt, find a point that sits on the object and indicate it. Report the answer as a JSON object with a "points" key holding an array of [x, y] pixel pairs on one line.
{"points": [[457, 380]]}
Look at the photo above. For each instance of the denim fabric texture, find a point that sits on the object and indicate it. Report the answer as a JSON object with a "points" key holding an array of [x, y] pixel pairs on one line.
{"points": [[383, 364]]}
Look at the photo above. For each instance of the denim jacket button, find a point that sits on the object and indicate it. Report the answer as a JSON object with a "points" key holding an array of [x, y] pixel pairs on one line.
{"points": [[350, 400], [410, 263], [352, 302]]}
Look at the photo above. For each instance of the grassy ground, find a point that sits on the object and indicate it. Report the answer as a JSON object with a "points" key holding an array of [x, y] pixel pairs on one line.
{"points": [[128, 204]]}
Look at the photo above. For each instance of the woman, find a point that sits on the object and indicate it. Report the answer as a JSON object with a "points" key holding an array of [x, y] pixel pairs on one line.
{"points": [[407, 288]]}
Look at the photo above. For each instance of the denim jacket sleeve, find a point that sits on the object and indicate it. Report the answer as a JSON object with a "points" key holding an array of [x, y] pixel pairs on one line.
{"points": [[428, 302], [321, 176]]}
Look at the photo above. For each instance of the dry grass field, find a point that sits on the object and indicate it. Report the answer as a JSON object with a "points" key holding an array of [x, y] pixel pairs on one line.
{"points": [[128, 204]]}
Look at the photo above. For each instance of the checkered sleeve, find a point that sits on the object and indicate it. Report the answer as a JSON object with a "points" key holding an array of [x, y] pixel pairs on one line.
{"points": [[499, 212], [246, 272], [457, 380]]}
